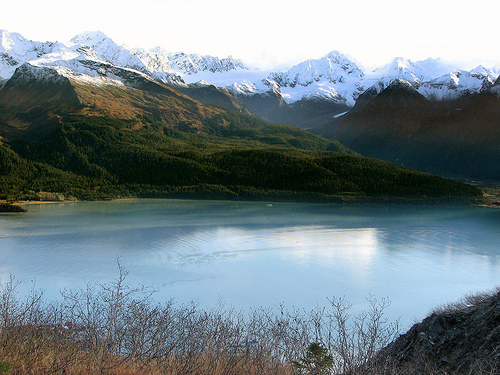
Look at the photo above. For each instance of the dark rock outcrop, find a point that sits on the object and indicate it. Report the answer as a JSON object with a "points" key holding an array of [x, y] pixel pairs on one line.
{"points": [[7, 207], [461, 340]]}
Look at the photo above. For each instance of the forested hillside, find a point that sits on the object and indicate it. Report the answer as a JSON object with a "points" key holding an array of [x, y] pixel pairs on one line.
{"points": [[99, 157]]}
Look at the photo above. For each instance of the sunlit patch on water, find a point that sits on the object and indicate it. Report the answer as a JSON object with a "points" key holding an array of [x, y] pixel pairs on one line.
{"points": [[300, 242]]}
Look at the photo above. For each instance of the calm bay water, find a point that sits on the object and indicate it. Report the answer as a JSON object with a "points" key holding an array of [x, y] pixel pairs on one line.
{"points": [[256, 254]]}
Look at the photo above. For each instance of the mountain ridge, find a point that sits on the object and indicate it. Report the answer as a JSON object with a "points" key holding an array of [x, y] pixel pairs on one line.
{"points": [[327, 96], [335, 78]]}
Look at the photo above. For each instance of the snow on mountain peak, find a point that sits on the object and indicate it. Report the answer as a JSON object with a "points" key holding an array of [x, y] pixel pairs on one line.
{"points": [[194, 63], [436, 67], [19, 48], [493, 72], [9, 41], [163, 66], [335, 76], [334, 67], [15, 50], [400, 68], [90, 38], [96, 45]]}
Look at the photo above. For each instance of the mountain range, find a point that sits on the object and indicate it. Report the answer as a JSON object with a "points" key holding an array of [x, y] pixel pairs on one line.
{"points": [[458, 138], [93, 120], [335, 77], [426, 115]]}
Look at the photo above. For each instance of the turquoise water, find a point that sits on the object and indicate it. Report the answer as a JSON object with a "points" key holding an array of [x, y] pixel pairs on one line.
{"points": [[258, 254]]}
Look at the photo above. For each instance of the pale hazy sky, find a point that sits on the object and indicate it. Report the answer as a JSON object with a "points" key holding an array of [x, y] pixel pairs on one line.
{"points": [[275, 32]]}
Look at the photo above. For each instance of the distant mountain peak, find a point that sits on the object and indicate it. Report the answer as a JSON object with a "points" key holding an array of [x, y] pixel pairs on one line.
{"points": [[16, 50], [332, 67], [334, 76], [400, 68], [102, 46], [8, 40], [194, 63], [401, 83], [402, 62], [90, 38]]}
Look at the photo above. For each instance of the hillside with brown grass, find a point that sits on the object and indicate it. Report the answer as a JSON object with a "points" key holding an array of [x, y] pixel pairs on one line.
{"points": [[31, 106]]}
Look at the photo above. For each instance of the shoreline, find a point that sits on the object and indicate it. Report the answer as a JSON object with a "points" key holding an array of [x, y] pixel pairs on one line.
{"points": [[490, 198], [487, 202]]}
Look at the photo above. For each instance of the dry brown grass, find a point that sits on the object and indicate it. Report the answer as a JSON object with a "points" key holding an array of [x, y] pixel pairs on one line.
{"points": [[170, 107], [467, 301]]}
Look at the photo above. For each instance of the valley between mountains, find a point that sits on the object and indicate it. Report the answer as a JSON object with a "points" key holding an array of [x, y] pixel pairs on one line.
{"points": [[93, 120]]}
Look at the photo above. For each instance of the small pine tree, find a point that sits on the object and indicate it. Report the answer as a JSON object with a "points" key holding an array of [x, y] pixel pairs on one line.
{"points": [[316, 362], [5, 367]]}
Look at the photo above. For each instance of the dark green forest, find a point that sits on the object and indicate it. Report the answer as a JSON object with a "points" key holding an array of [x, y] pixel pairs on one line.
{"points": [[236, 157]]}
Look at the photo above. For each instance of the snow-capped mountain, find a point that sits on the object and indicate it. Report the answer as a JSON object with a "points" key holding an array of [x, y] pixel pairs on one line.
{"points": [[15, 50], [95, 46], [335, 77], [401, 68], [456, 83], [155, 60], [433, 78], [171, 67]]}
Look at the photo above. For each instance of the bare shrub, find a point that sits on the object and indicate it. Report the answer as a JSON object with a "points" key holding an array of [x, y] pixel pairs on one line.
{"points": [[31, 336], [115, 329]]}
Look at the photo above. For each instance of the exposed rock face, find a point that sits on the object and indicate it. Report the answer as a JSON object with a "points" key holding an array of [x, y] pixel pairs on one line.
{"points": [[495, 88], [462, 341]]}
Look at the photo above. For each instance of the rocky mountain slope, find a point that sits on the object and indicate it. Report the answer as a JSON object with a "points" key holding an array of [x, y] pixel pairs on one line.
{"points": [[463, 338]]}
